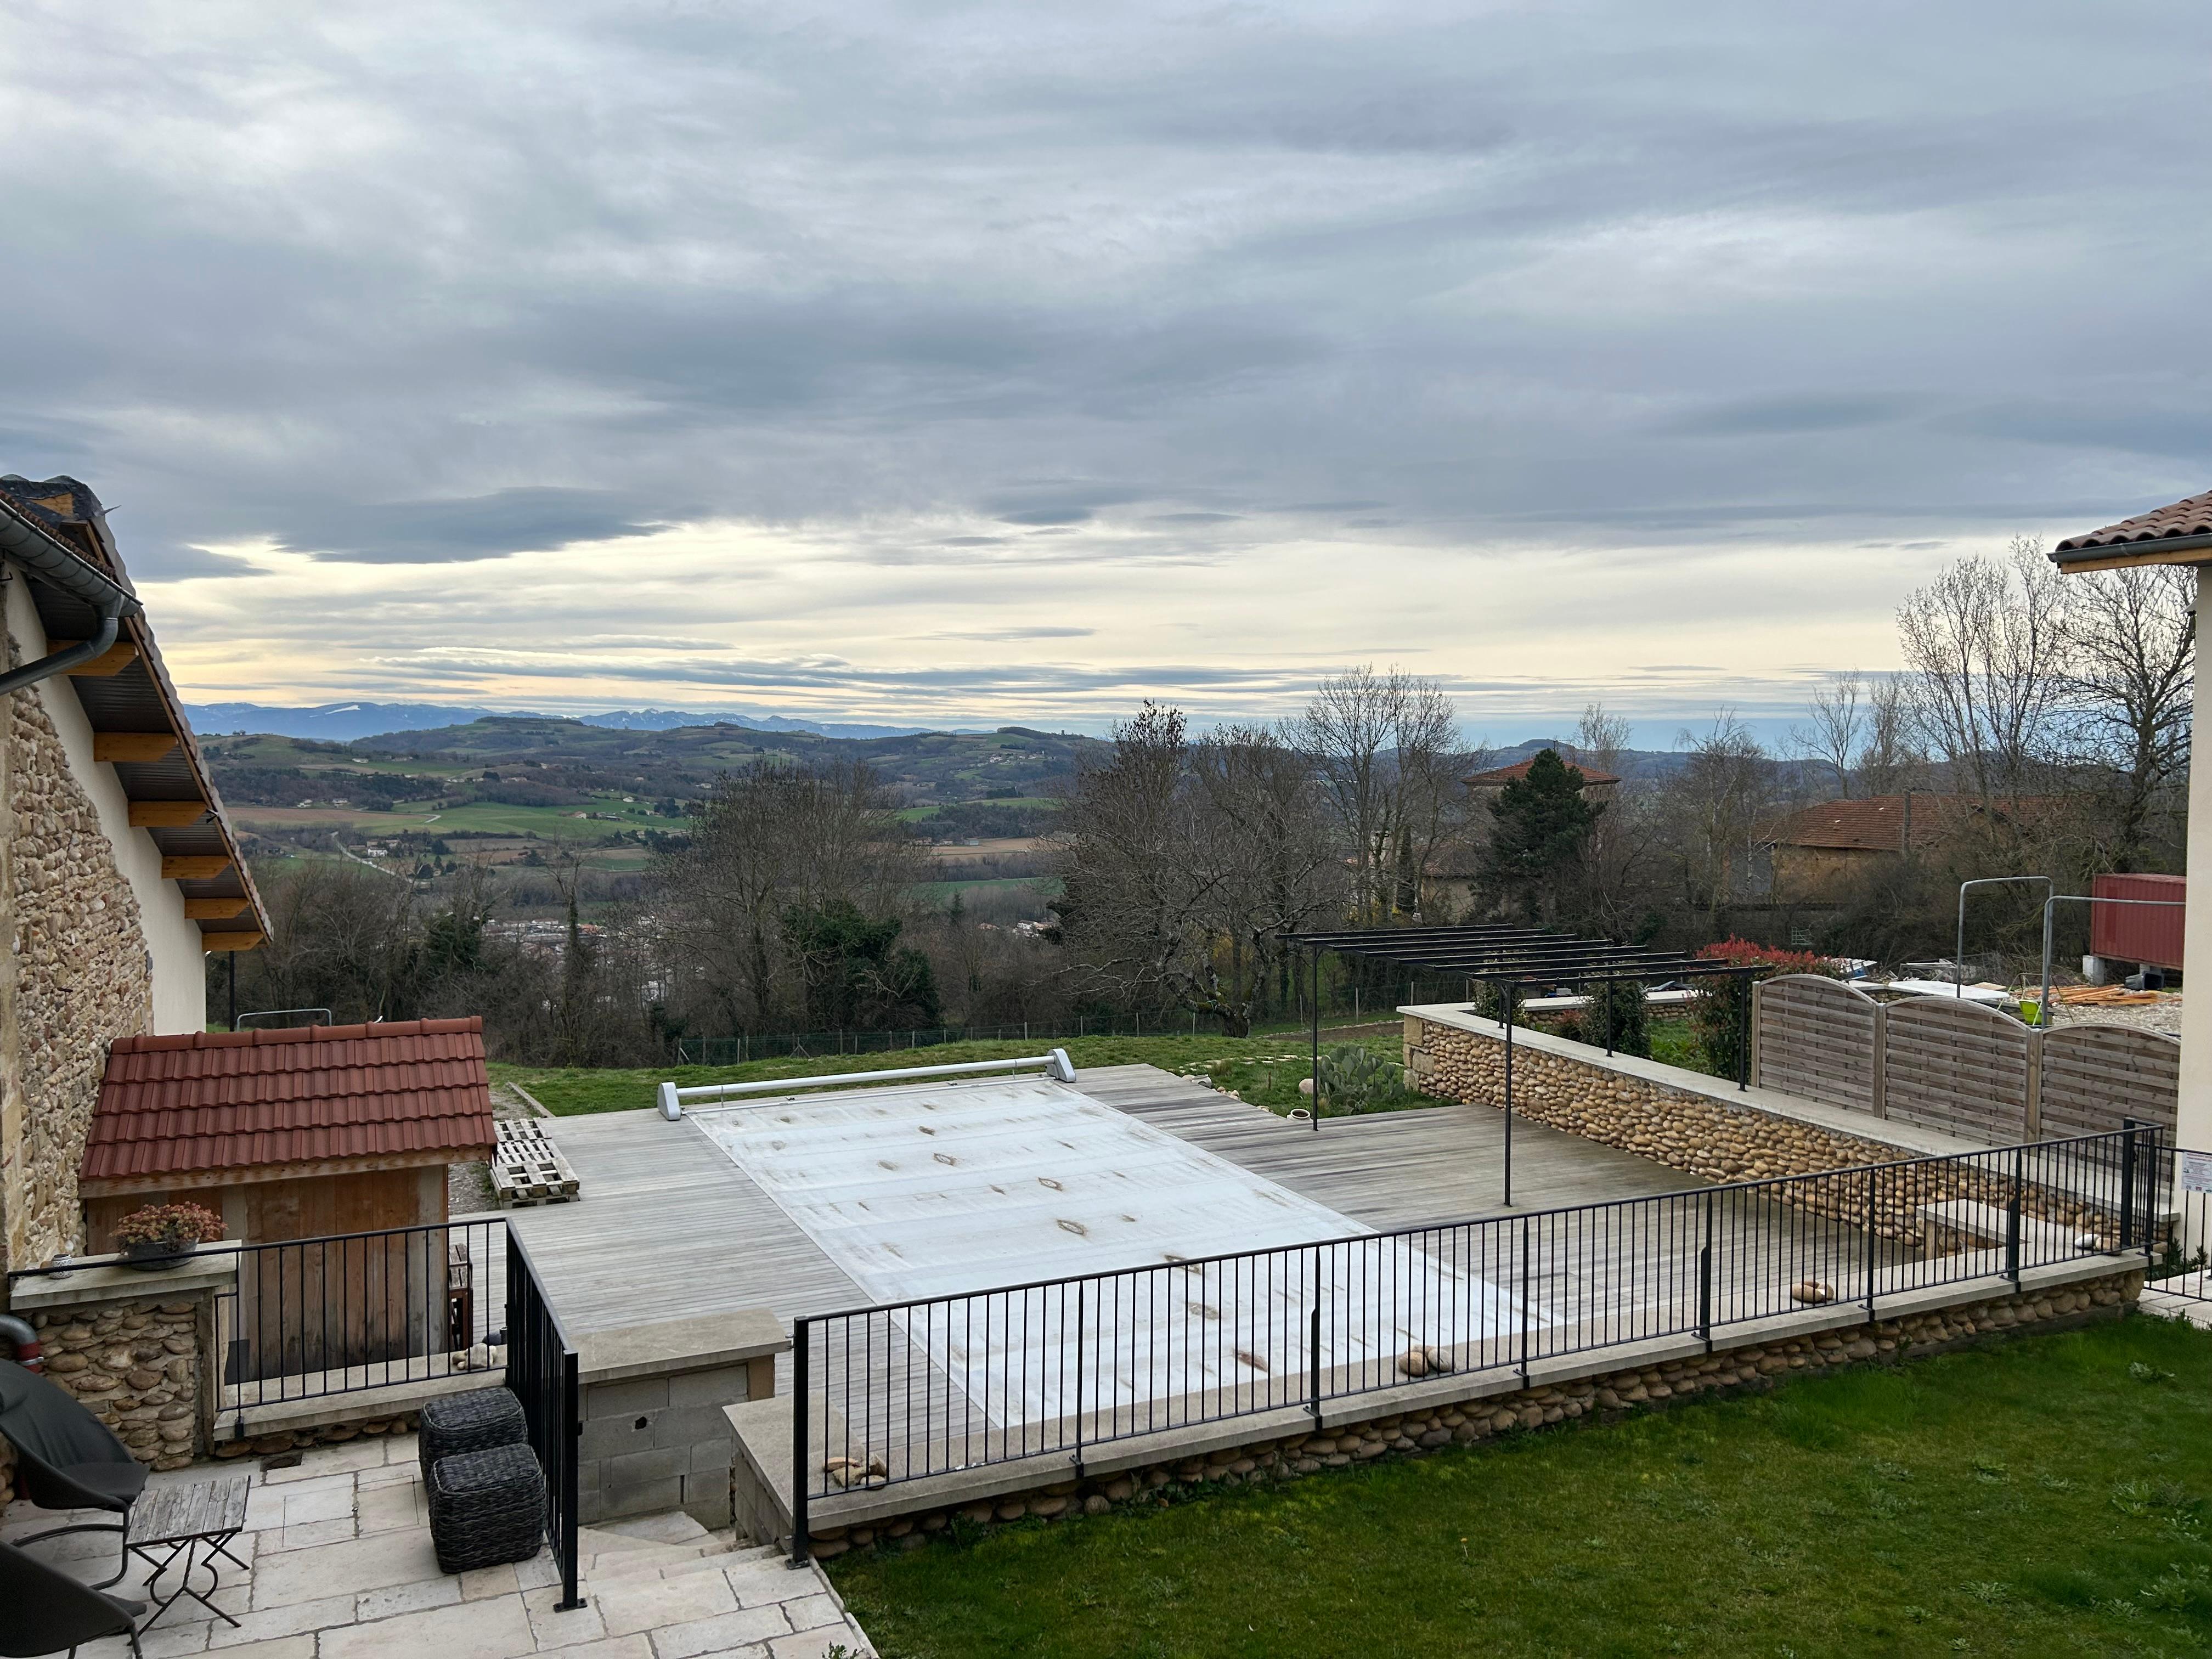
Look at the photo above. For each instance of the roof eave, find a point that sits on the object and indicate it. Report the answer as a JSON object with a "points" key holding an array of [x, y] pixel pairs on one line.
{"points": [[2121, 556]]}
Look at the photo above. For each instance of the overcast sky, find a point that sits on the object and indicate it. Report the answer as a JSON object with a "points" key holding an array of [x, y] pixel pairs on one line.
{"points": [[949, 364]]}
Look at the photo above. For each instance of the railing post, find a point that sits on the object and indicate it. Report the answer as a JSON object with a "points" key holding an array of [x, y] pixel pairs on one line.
{"points": [[799, 1542], [1524, 1300], [2012, 1224], [1873, 1241], [1313, 1346], [569, 1434], [1080, 1300], [2126, 1185], [1705, 1277]]}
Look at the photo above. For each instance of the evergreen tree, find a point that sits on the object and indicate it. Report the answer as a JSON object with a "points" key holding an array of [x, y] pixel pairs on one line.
{"points": [[1537, 830]]}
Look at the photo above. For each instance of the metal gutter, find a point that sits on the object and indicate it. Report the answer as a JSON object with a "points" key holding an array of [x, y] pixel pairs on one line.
{"points": [[2149, 550], [48, 560]]}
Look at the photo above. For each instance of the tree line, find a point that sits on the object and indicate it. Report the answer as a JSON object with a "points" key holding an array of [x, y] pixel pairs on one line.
{"points": [[800, 901]]}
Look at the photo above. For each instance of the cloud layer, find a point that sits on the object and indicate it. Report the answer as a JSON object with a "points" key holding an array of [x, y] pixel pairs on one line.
{"points": [[1014, 362]]}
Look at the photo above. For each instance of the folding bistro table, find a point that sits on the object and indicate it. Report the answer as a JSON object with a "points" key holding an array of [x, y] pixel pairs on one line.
{"points": [[197, 1522]]}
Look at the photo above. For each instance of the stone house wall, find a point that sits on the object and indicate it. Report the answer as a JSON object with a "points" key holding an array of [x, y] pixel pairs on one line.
{"points": [[76, 975], [1753, 1364]]}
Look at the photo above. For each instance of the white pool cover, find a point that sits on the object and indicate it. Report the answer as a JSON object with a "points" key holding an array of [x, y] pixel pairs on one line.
{"points": [[940, 1191]]}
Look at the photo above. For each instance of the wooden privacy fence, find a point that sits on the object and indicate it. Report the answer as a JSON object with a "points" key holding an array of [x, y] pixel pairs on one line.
{"points": [[1944, 1063]]}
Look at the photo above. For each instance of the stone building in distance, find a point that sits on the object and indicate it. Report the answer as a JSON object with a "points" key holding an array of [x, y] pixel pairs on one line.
{"points": [[119, 872]]}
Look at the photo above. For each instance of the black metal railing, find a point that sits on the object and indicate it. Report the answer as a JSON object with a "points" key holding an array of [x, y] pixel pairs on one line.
{"points": [[354, 1312], [541, 1370], [904, 1390]]}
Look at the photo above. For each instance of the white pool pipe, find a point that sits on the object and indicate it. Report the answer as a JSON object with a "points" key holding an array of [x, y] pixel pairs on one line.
{"points": [[1053, 1065]]}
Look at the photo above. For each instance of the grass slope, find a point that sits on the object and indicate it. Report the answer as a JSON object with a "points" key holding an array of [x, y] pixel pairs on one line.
{"points": [[2043, 1496], [1265, 1070]]}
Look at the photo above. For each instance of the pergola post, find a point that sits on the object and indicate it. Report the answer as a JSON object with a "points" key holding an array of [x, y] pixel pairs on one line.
{"points": [[1511, 989], [1316, 1039]]}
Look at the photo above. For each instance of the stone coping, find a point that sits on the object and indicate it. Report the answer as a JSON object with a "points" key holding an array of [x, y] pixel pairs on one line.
{"points": [[353, 1405], [97, 1278], [762, 1428], [701, 1343], [1910, 1140]]}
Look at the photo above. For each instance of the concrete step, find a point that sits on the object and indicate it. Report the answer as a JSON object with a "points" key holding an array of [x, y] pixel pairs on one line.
{"points": [[668, 1527], [710, 1552]]}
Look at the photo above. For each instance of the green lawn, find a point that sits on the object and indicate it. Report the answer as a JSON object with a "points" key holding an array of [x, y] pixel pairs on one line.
{"points": [[2046, 1495], [1265, 1070]]}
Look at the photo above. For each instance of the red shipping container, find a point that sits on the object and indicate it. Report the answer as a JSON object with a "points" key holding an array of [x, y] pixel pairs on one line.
{"points": [[2138, 933]]}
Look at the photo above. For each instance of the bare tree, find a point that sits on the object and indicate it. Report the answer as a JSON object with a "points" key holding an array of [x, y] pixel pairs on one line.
{"points": [[1615, 853], [1183, 860], [773, 840], [1601, 739], [1988, 656], [1835, 724], [1715, 805], [1893, 759], [1388, 750], [2131, 660]]}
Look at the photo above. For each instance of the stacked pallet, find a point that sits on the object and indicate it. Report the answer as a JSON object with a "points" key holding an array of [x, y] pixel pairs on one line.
{"points": [[528, 1168]]}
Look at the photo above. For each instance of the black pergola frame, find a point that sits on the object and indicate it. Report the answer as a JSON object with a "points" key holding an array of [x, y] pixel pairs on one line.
{"points": [[1496, 954]]}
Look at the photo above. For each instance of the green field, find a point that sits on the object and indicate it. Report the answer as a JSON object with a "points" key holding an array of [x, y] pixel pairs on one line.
{"points": [[1265, 1070], [2046, 1495]]}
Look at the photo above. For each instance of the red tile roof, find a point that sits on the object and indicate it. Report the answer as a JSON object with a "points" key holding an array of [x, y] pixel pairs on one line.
{"points": [[1499, 776], [225, 1100], [2188, 518], [1873, 824]]}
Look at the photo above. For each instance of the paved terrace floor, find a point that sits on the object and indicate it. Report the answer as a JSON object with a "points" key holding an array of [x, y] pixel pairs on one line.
{"points": [[670, 1228], [339, 1567]]}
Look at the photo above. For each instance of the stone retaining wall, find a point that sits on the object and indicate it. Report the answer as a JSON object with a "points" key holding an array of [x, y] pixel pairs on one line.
{"points": [[1715, 1141], [325, 1434], [1756, 1365], [137, 1365]]}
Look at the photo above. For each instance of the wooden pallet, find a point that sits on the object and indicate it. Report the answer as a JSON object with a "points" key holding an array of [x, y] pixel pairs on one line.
{"points": [[527, 1169]]}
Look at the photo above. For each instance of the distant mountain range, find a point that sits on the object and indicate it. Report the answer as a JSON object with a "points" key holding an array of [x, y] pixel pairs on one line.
{"points": [[344, 722]]}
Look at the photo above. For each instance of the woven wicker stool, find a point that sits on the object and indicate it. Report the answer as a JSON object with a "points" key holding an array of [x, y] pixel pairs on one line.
{"points": [[486, 1507], [471, 1422]]}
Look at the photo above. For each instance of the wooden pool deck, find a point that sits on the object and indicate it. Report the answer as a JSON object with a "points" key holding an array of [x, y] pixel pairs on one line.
{"points": [[670, 1228]]}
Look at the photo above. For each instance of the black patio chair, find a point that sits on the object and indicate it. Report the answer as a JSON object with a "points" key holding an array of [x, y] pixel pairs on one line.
{"points": [[44, 1610], [68, 1458]]}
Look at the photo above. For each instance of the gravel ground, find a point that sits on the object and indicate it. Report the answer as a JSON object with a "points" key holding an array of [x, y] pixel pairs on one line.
{"points": [[2163, 1016]]}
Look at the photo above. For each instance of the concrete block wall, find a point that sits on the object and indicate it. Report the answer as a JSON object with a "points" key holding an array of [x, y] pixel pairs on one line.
{"points": [[653, 1433]]}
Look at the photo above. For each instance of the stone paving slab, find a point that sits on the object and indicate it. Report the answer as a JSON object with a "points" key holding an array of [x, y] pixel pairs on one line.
{"points": [[340, 1567]]}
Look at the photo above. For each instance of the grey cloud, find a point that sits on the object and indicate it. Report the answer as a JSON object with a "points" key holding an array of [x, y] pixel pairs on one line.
{"points": [[1608, 278], [506, 521], [1020, 634], [172, 563], [1787, 415]]}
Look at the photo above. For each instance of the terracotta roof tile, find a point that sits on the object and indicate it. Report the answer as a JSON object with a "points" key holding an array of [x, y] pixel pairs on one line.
{"points": [[1498, 776], [2190, 517], [1876, 824], [234, 1100]]}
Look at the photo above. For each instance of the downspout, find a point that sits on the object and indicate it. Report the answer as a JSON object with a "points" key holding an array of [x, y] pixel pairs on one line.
{"points": [[60, 662]]}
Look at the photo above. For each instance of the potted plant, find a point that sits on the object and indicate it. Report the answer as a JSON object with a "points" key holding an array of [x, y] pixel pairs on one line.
{"points": [[162, 1235]]}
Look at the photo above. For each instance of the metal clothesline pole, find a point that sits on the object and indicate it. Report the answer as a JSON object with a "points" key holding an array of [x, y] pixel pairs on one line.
{"points": [[1959, 955], [2043, 1008]]}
